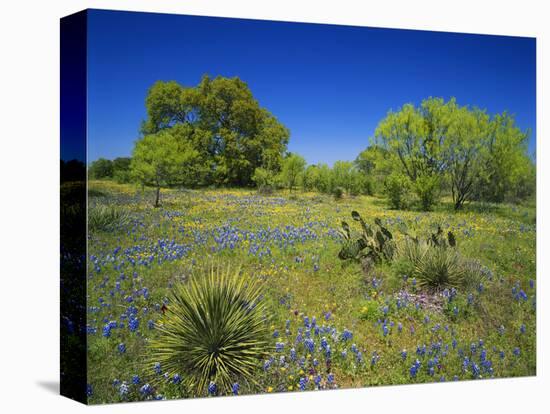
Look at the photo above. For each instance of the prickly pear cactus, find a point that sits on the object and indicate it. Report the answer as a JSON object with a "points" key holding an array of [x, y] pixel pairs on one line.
{"points": [[375, 242]]}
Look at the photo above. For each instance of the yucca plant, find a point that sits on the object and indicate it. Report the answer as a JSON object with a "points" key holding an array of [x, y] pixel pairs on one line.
{"points": [[213, 330], [107, 218], [439, 268]]}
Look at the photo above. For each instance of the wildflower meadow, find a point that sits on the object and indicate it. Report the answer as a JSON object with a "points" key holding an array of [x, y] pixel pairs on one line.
{"points": [[329, 324]]}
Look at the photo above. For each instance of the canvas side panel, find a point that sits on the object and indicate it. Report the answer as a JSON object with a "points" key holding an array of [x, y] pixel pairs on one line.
{"points": [[73, 383]]}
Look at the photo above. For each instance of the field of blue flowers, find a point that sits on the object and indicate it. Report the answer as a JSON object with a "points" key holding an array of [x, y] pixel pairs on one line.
{"points": [[332, 324]]}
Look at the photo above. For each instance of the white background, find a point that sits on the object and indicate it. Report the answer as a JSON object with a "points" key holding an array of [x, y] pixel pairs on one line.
{"points": [[29, 159]]}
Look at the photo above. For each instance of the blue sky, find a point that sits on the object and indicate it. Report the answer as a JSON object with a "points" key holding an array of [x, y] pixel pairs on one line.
{"points": [[330, 85]]}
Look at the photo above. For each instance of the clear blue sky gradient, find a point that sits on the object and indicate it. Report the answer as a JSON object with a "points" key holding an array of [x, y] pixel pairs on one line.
{"points": [[330, 85]]}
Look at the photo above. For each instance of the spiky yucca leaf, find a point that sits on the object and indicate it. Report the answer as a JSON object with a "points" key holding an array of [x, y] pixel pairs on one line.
{"points": [[213, 330], [107, 218], [439, 268]]}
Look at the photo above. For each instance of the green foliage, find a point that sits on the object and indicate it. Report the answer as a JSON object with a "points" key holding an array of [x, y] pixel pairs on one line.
{"points": [[264, 180], [338, 193], [161, 159], [213, 330], [426, 188], [441, 145], [293, 168], [396, 188], [376, 164], [506, 165], [121, 170], [101, 169], [224, 123], [375, 243], [107, 218]]}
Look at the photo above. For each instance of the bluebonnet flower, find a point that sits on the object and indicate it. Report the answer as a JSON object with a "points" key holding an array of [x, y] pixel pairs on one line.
{"points": [[316, 267], [414, 368], [293, 354], [347, 335], [374, 358], [517, 352], [399, 327], [480, 288], [501, 330], [89, 390], [330, 378], [328, 315], [324, 342], [157, 368], [385, 330], [483, 355], [455, 311], [454, 343], [413, 281], [404, 354], [522, 328], [279, 346], [501, 354], [275, 333], [354, 348], [475, 370], [531, 283], [122, 348], [150, 324], [235, 388], [344, 353], [107, 331], [212, 388], [176, 379], [310, 344], [302, 383], [123, 389], [328, 352], [135, 379], [317, 380], [267, 364], [470, 299], [146, 389], [133, 324]]}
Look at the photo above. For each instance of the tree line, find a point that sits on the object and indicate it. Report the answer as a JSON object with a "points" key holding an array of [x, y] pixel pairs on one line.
{"points": [[216, 133]]}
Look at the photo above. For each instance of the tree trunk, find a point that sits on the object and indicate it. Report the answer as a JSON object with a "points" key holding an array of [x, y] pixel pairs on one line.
{"points": [[157, 198]]}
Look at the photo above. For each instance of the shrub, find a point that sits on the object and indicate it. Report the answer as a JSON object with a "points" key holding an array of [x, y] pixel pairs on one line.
{"points": [[396, 188], [107, 218], [338, 193], [426, 188], [264, 180], [213, 330]]}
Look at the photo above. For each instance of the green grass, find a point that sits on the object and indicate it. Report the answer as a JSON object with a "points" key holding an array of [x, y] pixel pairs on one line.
{"points": [[290, 245]]}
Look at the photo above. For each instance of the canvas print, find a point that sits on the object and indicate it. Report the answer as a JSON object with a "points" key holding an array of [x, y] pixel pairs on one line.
{"points": [[263, 207]]}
